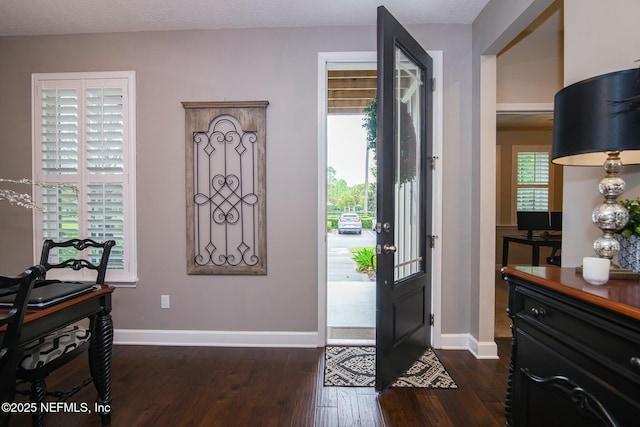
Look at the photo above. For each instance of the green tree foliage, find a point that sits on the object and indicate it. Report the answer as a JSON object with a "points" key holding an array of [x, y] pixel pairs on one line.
{"points": [[408, 139], [341, 196], [347, 200], [370, 124], [357, 191]]}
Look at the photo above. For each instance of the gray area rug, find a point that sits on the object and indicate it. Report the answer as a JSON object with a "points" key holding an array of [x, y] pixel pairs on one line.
{"points": [[355, 367]]}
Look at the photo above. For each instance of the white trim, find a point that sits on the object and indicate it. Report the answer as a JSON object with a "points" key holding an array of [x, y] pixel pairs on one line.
{"points": [[132, 149], [525, 108], [133, 283], [215, 338], [515, 150], [128, 277], [481, 350], [438, 142], [454, 342], [483, 271], [351, 342], [83, 75], [498, 180], [199, 338], [324, 58]]}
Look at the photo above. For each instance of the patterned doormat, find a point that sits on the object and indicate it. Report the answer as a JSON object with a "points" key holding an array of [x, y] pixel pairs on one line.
{"points": [[356, 366]]}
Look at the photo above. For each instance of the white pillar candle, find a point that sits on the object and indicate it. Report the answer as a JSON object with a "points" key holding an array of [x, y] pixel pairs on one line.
{"points": [[595, 270]]}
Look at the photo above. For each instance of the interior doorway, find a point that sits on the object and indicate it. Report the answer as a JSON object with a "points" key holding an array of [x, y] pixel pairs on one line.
{"points": [[522, 129], [351, 203]]}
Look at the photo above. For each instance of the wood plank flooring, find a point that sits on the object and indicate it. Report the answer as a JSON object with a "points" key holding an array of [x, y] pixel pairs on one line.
{"points": [[213, 386]]}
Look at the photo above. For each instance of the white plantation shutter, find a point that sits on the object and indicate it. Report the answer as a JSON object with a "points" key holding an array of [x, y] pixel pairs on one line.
{"points": [[105, 130], [106, 218], [60, 214], [533, 199], [59, 130], [84, 134], [532, 179]]}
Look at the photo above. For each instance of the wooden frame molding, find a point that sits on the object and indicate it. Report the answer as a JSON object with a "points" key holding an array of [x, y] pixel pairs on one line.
{"points": [[225, 148]]}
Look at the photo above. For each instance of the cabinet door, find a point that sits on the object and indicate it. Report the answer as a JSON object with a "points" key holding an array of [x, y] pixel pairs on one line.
{"points": [[551, 388]]}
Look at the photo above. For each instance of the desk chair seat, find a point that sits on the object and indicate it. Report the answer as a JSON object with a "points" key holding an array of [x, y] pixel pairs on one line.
{"points": [[21, 285], [45, 355], [53, 348]]}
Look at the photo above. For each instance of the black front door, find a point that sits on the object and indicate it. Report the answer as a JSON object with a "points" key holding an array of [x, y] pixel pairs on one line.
{"points": [[404, 147]]}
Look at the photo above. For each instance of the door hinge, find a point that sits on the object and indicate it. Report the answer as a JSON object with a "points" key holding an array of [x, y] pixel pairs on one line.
{"points": [[432, 320], [432, 241], [433, 84], [434, 159]]}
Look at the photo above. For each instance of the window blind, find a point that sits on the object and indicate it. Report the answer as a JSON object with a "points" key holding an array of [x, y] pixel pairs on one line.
{"points": [[532, 170], [83, 137], [59, 109]]}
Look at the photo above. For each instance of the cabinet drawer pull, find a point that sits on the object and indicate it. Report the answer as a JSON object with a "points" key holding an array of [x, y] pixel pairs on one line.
{"points": [[538, 312], [635, 362]]}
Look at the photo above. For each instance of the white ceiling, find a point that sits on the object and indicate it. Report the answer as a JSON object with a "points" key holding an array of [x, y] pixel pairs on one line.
{"points": [[38, 17]]}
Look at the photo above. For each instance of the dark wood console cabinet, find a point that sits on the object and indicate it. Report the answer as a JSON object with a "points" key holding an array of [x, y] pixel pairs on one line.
{"points": [[575, 357]]}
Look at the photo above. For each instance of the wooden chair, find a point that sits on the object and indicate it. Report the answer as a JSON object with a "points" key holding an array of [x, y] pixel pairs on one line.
{"points": [[21, 285], [46, 354], [79, 263]]}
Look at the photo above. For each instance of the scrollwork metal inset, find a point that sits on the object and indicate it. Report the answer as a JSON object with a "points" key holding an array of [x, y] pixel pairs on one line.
{"points": [[225, 197], [582, 399]]}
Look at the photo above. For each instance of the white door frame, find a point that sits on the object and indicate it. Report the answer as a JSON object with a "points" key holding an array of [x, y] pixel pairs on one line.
{"points": [[325, 58]]}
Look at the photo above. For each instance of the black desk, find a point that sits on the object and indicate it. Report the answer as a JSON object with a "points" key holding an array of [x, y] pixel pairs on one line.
{"points": [[552, 241], [40, 322]]}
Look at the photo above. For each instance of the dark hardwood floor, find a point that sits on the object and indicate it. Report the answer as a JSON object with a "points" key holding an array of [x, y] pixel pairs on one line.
{"points": [[213, 386]]}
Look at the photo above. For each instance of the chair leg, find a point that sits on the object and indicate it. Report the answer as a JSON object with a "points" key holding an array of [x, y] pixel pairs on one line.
{"points": [[38, 393], [100, 354], [4, 418]]}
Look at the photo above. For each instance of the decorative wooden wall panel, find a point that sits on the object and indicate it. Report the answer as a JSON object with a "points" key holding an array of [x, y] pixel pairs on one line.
{"points": [[226, 187]]}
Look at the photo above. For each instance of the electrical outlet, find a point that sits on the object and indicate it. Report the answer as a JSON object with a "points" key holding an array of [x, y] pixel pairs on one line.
{"points": [[164, 301]]}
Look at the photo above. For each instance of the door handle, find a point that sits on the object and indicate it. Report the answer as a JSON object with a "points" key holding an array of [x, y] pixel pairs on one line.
{"points": [[389, 248]]}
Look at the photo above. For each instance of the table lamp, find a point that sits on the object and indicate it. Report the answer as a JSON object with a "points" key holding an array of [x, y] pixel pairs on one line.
{"points": [[597, 122]]}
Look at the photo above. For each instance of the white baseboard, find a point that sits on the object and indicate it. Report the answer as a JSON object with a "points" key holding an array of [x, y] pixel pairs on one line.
{"points": [[215, 338], [480, 349]]}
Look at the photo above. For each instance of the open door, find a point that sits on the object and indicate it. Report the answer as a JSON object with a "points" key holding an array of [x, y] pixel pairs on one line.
{"points": [[404, 240]]}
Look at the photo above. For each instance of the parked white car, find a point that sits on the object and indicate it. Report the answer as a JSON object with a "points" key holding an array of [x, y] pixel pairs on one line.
{"points": [[349, 223]]}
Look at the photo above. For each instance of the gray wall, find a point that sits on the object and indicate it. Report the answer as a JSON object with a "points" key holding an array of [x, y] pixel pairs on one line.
{"points": [[495, 27], [600, 37], [529, 69], [278, 65]]}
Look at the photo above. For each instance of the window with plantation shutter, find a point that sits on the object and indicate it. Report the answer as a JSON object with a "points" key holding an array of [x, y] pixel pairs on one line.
{"points": [[84, 144], [532, 178]]}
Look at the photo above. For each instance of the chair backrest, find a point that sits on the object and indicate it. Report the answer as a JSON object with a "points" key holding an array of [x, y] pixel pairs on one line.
{"points": [[21, 285], [74, 260]]}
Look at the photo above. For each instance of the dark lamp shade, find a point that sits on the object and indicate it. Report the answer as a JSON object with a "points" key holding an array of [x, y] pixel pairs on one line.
{"points": [[593, 117]]}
